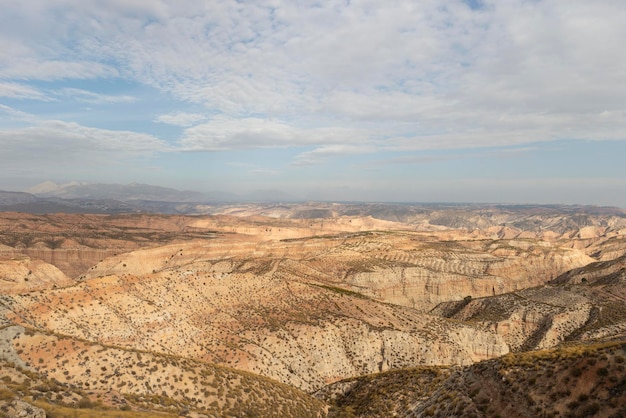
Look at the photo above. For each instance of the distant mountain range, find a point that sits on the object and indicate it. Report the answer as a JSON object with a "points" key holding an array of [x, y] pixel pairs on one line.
{"points": [[75, 197], [125, 193], [79, 197]]}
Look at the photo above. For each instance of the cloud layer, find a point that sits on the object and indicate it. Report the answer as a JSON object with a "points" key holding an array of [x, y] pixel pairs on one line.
{"points": [[324, 79]]}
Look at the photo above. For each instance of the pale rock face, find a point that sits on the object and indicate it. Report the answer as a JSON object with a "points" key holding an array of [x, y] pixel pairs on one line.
{"points": [[589, 232], [71, 261], [441, 279], [310, 357], [547, 316], [563, 324], [530, 329], [22, 274], [21, 409]]}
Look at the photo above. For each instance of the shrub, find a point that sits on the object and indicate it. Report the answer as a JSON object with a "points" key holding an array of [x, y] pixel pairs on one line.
{"points": [[6, 395], [591, 409], [85, 403]]}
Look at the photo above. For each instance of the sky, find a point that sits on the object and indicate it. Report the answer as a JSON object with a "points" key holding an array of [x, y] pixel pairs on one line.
{"points": [[504, 101]]}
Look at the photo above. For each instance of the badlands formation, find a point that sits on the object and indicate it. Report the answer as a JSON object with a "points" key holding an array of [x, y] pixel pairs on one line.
{"points": [[299, 310]]}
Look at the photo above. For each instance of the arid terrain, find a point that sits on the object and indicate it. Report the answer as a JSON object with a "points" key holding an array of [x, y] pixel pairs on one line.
{"points": [[315, 309]]}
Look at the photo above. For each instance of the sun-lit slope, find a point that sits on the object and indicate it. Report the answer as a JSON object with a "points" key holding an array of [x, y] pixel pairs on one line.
{"points": [[579, 381], [75, 242], [584, 304], [23, 274], [414, 269], [217, 303], [305, 301], [421, 271], [77, 373], [545, 222], [304, 311]]}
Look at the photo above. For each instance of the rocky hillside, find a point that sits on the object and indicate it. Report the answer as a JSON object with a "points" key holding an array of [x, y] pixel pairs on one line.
{"points": [[584, 304], [536, 221], [204, 301], [580, 381], [160, 312], [50, 370], [75, 242]]}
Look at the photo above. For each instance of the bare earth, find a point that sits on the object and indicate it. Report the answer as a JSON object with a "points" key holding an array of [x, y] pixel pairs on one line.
{"points": [[138, 306]]}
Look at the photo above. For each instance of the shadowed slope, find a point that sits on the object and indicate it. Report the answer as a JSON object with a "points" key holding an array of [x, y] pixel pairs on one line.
{"points": [[578, 381]]}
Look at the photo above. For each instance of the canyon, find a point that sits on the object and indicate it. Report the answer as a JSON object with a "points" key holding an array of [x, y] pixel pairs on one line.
{"points": [[284, 310]]}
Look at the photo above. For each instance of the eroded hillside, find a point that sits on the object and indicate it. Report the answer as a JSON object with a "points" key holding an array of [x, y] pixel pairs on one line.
{"points": [[582, 305], [579, 382], [307, 297], [251, 314], [75, 242], [52, 368]]}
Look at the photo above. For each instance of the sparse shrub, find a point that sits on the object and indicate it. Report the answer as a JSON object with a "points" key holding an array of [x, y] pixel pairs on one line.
{"points": [[573, 405], [85, 403], [591, 409], [6, 395]]}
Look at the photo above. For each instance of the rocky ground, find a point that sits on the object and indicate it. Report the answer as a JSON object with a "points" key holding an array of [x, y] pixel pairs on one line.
{"points": [[161, 312], [582, 381]]}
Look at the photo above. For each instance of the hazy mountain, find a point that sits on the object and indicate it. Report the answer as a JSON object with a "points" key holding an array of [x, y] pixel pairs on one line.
{"points": [[50, 187], [16, 198], [128, 192], [80, 197]]}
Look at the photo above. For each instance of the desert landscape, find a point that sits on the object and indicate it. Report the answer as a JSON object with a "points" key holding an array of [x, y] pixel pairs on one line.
{"points": [[319, 209], [315, 309]]}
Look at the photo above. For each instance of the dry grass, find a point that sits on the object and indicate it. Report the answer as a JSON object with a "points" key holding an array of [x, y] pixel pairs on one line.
{"points": [[57, 411]]}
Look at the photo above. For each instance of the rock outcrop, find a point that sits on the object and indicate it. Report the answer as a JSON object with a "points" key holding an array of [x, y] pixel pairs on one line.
{"points": [[21, 409], [23, 274]]}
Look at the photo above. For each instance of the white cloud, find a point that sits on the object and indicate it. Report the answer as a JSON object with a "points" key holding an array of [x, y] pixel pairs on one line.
{"points": [[396, 75], [222, 133], [323, 153], [18, 115], [94, 98], [181, 118], [21, 91], [52, 143], [43, 62]]}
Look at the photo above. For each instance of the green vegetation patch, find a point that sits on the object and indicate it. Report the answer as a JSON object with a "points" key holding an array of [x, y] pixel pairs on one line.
{"points": [[340, 290]]}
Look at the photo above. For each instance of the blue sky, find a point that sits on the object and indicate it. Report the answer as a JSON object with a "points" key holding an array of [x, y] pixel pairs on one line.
{"points": [[514, 101]]}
